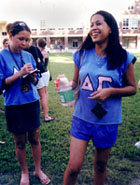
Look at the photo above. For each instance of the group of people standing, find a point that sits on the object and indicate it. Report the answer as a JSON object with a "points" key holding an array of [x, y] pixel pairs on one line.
{"points": [[105, 73]]}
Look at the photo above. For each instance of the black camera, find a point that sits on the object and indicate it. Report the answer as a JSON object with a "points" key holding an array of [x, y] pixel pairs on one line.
{"points": [[26, 79], [25, 84], [98, 110]]}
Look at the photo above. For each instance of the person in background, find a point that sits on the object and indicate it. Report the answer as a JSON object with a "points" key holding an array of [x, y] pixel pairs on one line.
{"points": [[21, 99], [5, 43], [43, 81], [41, 44], [106, 75]]}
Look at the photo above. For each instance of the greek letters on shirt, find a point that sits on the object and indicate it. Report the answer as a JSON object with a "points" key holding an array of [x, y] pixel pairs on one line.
{"points": [[15, 71], [87, 84]]}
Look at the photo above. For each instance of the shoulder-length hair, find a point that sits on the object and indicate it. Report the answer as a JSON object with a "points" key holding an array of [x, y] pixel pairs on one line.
{"points": [[41, 43], [116, 55]]}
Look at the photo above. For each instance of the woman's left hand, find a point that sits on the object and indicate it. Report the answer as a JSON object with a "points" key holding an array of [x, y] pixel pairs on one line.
{"points": [[101, 94], [33, 78]]}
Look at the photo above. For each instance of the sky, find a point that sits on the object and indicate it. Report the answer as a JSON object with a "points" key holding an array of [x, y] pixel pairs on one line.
{"points": [[58, 13]]}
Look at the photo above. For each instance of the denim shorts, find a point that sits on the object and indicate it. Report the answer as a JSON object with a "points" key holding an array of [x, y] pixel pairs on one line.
{"points": [[103, 136]]}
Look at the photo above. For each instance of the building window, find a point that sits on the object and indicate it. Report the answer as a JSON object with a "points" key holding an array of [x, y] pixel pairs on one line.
{"points": [[131, 8], [34, 29], [134, 23], [70, 28], [60, 28], [129, 42], [75, 44], [130, 23], [125, 24], [4, 33]]}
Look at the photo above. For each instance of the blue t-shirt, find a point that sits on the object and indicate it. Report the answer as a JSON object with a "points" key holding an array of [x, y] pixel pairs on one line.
{"points": [[14, 95], [94, 75]]}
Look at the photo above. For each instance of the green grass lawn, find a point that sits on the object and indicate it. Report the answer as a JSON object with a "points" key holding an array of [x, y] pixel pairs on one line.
{"points": [[124, 162]]}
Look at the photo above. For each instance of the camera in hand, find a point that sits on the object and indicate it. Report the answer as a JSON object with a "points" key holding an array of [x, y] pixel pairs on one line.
{"points": [[27, 79], [25, 85]]}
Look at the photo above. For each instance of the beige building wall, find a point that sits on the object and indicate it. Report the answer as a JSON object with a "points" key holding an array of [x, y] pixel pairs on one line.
{"points": [[71, 38], [2, 32]]}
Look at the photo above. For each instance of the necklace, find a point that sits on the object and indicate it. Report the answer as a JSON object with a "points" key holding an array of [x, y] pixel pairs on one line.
{"points": [[25, 83], [99, 60], [22, 62]]}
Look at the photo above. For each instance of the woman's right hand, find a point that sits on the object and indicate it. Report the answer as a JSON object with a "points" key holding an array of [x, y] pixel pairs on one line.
{"points": [[73, 84], [101, 94]]}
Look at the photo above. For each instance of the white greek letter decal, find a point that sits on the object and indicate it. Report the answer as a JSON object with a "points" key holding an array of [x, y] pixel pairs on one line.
{"points": [[15, 70], [87, 85], [101, 80]]}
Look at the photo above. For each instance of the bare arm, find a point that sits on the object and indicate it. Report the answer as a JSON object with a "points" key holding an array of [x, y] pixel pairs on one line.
{"points": [[128, 89], [75, 77], [26, 69], [45, 55]]}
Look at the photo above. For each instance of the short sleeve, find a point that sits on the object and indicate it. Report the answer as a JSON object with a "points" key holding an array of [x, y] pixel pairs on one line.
{"points": [[130, 58], [76, 58], [2, 74]]}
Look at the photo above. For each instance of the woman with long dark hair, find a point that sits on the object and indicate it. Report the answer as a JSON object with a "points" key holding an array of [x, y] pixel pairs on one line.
{"points": [[105, 72]]}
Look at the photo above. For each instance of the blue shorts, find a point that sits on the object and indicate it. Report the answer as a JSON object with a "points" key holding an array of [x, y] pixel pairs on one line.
{"points": [[103, 136]]}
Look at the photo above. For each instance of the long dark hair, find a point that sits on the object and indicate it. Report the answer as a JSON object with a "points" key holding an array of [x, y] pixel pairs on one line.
{"points": [[116, 55]]}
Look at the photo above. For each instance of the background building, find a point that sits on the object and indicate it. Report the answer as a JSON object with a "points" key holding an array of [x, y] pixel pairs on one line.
{"points": [[68, 39], [129, 27], [3, 33]]}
